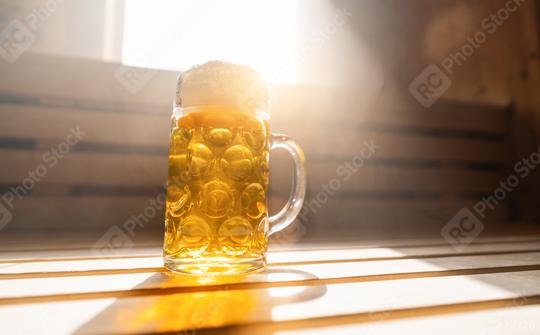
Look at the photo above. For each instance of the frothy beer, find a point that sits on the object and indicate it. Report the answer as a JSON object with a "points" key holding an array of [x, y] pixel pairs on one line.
{"points": [[216, 209]]}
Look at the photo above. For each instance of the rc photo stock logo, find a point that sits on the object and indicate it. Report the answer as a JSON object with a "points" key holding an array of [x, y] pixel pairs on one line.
{"points": [[19, 35], [133, 79], [49, 160], [119, 238], [112, 242], [15, 39], [434, 80], [5, 216], [462, 229], [430, 85], [466, 225]]}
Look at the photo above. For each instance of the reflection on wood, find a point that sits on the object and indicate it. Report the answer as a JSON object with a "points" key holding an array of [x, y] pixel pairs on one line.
{"points": [[361, 288], [285, 304]]}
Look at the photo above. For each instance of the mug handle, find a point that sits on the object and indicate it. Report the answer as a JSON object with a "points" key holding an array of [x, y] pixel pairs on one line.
{"points": [[289, 212]]}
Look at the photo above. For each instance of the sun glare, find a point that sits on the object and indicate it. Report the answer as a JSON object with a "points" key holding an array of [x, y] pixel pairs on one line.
{"points": [[174, 35]]}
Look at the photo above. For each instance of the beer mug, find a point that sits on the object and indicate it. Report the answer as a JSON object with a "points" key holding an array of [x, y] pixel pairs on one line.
{"points": [[216, 219]]}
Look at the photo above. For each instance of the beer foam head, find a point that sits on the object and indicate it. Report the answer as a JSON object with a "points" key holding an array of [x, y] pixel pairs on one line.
{"points": [[218, 82]]}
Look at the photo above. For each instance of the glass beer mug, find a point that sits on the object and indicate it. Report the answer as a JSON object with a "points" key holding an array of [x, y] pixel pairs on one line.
{"points": [[217, 220]]}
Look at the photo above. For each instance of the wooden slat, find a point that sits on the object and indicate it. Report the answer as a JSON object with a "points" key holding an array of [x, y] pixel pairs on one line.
{"points": [[347, 143], [87, 168], [18, 121], [494, 319], [385, 217], [381, 178], [174, 312], [56, 78], [368, 215], [151, 258], [357, 254], [91, 283], [78, 212], [332, 108], [21, 247]]}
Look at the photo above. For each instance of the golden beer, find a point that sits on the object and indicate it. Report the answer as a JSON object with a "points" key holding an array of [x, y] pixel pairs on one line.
{"points": [[216, 219], [216, 214]]}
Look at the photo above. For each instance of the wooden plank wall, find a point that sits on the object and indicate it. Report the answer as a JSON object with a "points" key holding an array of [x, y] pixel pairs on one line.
{"points": [[427, 163]]}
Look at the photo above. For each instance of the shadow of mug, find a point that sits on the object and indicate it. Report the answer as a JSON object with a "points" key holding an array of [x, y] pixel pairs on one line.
{"points": [[167, 302]]}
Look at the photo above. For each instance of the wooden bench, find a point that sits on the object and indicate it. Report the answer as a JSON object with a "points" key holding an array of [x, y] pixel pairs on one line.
{"points": [[410, 287]]}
